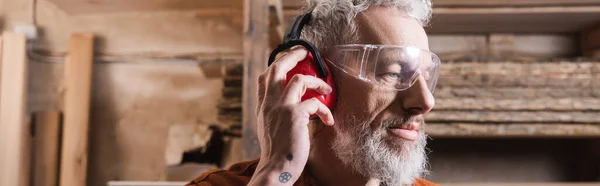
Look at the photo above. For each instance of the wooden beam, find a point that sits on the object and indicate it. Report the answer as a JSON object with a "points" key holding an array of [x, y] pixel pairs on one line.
{"points": [[256, 33], [510, 92], [541, 116], [14, 129], [78, 74], [509, 3], [488, 104], [513, 19], [76, 7], [532, 130], [483, 3], [474, 20], [276, 23], [531, 47], [47, 130]]}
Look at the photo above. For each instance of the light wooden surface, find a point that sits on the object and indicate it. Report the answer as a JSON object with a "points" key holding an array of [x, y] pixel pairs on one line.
{"points": [[46, 140], [115, 6], [78, 74], [15, 130], [256, 32]]}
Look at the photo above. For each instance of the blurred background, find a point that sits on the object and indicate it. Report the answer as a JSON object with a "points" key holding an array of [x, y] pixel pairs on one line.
{"points": [[140, 92]]}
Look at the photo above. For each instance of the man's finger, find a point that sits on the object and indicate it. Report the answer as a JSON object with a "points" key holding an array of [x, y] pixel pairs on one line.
{"points": [[314, 106], [280, 68], [298, 86]]}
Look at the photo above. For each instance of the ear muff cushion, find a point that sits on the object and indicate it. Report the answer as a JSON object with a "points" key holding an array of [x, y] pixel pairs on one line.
{"points": [[308, 67]]}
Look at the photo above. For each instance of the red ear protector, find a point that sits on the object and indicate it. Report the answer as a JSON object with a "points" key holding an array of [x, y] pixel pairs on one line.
{"points": [[312, 65]]}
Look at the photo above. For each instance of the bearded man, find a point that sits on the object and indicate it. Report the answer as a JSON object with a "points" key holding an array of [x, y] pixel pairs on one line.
{"points": [[384, 75]]}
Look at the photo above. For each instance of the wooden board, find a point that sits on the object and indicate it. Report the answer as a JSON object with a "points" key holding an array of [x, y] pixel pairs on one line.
{"points": [[47, 134], [547, 104], [256, 44], [78, 74], [514, 92], [113, 6], [459, 47], [522, 20], [513, 19], [15, 137], [519, 74], [184, 33], [532, 130], [476, 116], [294, 4], [531, 47], [501, 3]]}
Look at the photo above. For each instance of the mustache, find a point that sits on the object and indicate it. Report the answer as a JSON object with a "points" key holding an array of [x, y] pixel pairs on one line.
{"points": [[398, 122]]}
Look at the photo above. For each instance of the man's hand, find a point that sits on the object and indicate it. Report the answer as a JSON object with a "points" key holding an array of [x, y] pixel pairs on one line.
{"points": [[283, 120]]}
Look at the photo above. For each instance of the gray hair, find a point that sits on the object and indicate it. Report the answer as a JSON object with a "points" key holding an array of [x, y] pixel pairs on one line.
{"points": [[333, 21]]}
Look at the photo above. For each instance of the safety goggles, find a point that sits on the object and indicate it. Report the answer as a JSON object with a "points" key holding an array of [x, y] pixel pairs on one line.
{"points": [[390, 66]]}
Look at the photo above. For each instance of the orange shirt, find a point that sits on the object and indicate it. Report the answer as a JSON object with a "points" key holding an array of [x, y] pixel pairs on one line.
{"points": [[240, 174]]}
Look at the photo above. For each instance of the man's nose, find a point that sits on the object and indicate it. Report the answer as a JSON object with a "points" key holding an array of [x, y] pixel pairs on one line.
{"points": [[418, 99]]}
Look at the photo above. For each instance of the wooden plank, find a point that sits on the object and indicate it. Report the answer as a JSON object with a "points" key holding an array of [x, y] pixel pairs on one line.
{"points": [[47, 130], [459, 47], [547, 104], [76, 7], [135, 34], [531, 47], [518, 20], [516, 81], [513, 19], [15, 130], [476, 116], [294, 4], [515, 93], [590, 41], [542, 69], [515, 74], [276, 23], [256, 37], [512, 3], [78, 74], [482, 130]]}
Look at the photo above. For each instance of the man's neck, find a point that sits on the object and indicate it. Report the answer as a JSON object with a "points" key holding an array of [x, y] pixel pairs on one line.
{"points": [[324, 166]]}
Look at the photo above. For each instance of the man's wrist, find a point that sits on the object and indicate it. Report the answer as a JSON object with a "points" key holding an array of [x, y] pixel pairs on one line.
{"points": [[276, 173]]}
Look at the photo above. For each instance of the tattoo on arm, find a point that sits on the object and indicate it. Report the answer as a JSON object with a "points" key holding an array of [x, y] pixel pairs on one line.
{"points": [[290, 157], [285, 177]]}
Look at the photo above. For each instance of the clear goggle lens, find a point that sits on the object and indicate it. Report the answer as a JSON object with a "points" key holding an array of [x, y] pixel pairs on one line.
{"points": [[394, 67]]}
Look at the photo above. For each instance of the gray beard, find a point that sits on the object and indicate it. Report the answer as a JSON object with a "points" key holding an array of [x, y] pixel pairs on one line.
{"points": [[365, 151]]}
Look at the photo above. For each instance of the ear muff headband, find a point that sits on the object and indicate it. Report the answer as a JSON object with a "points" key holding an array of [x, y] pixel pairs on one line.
{"points": [[292, 38]]}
